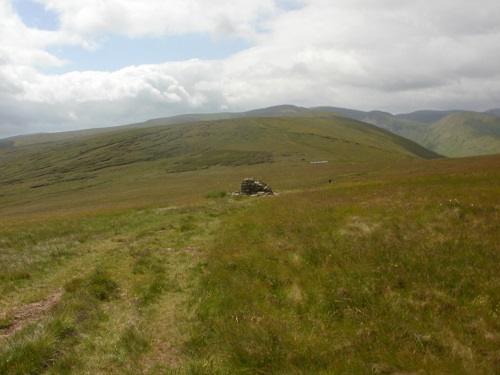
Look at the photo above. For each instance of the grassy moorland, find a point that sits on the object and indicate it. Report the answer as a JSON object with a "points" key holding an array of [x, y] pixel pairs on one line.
{"points": [[393, 268], [379, 276], [173, 163]]}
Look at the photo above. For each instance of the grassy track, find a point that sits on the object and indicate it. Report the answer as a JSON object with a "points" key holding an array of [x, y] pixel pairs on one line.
{"points": [[121, 282]]}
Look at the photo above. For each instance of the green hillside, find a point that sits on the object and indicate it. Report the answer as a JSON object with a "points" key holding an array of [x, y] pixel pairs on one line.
{"points": [[117, 167], [426, 116], [464, 134], [449, 133], [31, 139], [495, 112], [392, 268], [415, 126], [406, 127]]}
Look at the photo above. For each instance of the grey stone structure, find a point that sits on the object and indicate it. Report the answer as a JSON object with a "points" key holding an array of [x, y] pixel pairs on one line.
{"points": [[252, 187]]}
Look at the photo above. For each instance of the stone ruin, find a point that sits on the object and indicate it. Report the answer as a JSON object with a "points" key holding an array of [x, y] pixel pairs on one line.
{"points": [[252, 187]]}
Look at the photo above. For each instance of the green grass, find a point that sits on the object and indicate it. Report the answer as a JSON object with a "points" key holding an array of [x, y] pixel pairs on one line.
{"points": [[449, 133], [379, 273], [382, 278], [46, 345], [124, 277], [217, 194], [464, 134]]}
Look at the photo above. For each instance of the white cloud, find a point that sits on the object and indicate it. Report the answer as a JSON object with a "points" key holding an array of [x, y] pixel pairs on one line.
{"points": [[24, 46], [145, 17], [396, 55]]}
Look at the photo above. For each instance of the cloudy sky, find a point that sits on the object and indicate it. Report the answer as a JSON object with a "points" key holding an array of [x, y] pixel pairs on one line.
{"points": [[72, 64]]}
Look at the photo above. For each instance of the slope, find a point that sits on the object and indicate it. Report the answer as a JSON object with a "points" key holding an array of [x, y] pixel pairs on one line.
{"points": [[394, 272], [450, 133], [426, 116], [464, 134], [31, 139], [404, 127], [495, 111], [140, 166]]}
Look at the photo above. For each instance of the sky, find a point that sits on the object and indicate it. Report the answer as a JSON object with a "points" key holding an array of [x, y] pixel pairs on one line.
{"points": [[72, 64]]}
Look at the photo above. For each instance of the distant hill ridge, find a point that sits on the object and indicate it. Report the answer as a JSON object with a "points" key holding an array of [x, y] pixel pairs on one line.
{"points": [[307, 136], [453, 133], [427, 117]]}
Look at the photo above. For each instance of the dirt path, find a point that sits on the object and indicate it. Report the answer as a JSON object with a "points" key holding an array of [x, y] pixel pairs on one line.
{"points": [[13, 320]]}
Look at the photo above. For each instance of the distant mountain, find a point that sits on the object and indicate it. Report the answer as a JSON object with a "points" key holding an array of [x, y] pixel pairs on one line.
{"points": [[464, 134], [280, 110], [474, 135], [495, 112], [426, 117], [401, 126], [354, 113], [451, 133], [127, 161]]}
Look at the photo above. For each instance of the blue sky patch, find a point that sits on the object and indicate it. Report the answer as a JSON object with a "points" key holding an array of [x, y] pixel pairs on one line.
{"points": [[116, 52], [34, 15]]}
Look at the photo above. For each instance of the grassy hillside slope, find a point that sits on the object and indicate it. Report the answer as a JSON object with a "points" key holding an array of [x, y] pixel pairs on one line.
{"points": [[495, 112], [449, 133], [147, 165], [404, 127], [408, 128], [464, 134], [426, 117], [414, 126], [32, 139], [391, 269], [397, 275]]}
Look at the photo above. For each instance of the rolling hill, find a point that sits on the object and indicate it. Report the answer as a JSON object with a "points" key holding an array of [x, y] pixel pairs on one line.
{"points": [[420, 126], [495, 112], [426, 116], [464, 134], [119, 166], [450, 133], [31, 139]]}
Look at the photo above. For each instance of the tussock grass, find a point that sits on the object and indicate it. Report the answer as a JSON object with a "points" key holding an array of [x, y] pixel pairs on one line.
{"points": [[45, 344], [388, 269], [382, 278], [124, 279], [216, 194]]}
